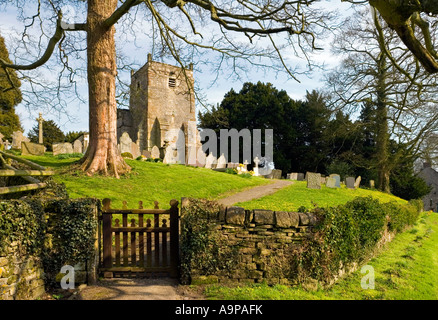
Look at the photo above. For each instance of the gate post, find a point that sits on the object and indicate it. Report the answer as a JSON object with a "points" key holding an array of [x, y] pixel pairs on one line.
{"points": [[174, 238], [107, 235]]}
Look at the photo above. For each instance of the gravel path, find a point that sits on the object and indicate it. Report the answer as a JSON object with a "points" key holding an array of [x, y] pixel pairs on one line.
{"points": [[254, 193], [136, 289]]}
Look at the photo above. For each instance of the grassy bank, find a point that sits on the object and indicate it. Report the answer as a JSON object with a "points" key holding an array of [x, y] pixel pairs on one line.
{"points": [[297, 195], [148, 182]]}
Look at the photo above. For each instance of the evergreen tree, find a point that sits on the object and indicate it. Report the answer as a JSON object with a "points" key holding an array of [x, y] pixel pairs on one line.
{"points": [[10, 96]]}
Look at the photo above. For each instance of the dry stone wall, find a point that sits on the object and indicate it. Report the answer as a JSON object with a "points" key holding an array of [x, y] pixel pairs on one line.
{"points": [[21, 277], [262, 241]]}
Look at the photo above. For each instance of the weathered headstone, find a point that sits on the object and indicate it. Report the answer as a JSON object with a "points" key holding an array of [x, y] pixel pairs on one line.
{"points": [[256, 166], [337, 178], [293, 176], [155, 152], [331, 182], [17, 138], [135, 150], [372, 184], [34, 149], [357, 182], [221, 162], [62, 148], [170, 156], [125, 143], [349, 182], [313, 180], [232, 165], [322, 179], [210, 161], [275, 174], [146, 153], [201, 158], [77, 146], [300, 176]]}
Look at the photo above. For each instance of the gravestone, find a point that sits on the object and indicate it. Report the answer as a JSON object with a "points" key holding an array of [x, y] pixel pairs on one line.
{"points": [[293, 176], [372, 184], [155, 152], [146, 154], [221, 162], [331, 182], [62, 148], [349, 182], [17, 138], [322, 179], [300, 176], [170, 156], [275, 174], [256, 166], [357, 182], [232, 165], [210, 161], [125, 143], [135, 150], [313, 180], [34, 149], [337, 178], [201, 158], [77, 146]]}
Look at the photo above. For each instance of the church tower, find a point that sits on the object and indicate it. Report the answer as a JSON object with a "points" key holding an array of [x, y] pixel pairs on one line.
{"points": [[161, 101]]}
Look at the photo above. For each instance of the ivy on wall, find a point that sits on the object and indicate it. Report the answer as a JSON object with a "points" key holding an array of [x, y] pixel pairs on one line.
{"points": [[348, 234], [58, 230], [202, 246]]}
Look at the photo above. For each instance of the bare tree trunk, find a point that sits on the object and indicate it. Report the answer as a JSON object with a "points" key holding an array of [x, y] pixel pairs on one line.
{"points": [[102, 155]]}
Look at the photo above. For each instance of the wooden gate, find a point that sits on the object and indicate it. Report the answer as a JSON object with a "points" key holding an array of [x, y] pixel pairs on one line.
{"points": [[146, 244]]}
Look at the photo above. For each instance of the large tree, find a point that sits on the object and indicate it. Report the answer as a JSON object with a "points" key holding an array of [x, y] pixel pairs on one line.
{"points": [[378, 72], [258, 21]]}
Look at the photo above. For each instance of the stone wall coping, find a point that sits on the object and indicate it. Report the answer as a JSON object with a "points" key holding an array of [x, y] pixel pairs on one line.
{"points": [[280, 219]]}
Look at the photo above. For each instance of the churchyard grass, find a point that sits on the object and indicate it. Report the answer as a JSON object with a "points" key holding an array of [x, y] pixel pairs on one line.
{"points": [[405, 269], [296, 195], [148, 182]]}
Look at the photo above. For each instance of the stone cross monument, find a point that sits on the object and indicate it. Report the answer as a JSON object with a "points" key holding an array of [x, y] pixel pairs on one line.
{"points": [[40, 128]]}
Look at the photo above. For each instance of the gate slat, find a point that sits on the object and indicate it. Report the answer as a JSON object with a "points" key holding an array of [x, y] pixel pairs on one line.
{"points": [[157, 240], [117, 243], [164, 245], [133, 245], [149, 245], [125, 240], [141, 241]]}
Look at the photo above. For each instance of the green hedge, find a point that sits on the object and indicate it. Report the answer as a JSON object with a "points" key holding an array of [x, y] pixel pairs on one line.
{"points": [[348, 234]]}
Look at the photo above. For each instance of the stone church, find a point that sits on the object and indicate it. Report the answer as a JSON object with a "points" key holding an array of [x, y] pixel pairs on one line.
{"points": [[161, 110]]}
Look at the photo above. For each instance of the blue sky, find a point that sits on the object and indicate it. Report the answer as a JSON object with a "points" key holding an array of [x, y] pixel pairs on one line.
{"points": [[76, 118]]}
